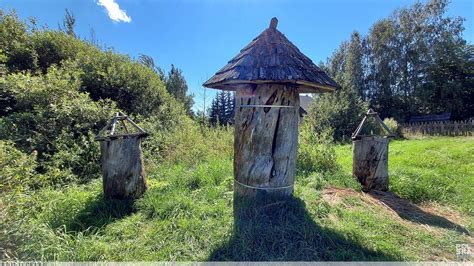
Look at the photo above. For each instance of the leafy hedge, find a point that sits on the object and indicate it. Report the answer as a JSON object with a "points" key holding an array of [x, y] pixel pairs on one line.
{"points": [[57, 90]]}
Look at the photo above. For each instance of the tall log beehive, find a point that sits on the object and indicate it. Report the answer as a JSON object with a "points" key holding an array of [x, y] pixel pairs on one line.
{"points": [[268, 75]]}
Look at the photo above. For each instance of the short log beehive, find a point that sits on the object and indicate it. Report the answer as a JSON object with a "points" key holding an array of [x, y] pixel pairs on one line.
{"points": [[268, 75], [123, 170], [370, 155]]}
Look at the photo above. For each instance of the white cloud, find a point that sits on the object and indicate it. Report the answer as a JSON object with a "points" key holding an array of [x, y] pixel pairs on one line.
{"points": [[114, 11]]}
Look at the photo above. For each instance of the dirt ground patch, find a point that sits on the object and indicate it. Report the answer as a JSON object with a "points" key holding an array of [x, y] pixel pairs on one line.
{"points": [[428, 216]]}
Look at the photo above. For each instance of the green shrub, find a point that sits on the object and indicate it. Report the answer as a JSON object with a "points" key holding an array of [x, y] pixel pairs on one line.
{"points": [[339, 112], [182, 140], [135, 88], [17, 169], [392, 124], [56, 47], [54, 119], [15, 43], [315, 151]]}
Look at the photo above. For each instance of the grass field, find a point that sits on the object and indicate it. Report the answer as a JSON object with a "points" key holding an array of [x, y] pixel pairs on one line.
{"points": [[186, 214]]}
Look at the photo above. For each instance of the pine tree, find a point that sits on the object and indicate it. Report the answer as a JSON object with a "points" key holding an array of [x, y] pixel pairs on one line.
{"points": [[214, 112], [222, 102], [230, 106], [222, 109]]}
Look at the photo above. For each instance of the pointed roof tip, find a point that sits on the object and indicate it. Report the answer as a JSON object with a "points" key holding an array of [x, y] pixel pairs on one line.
{"points": [[273, 23], [371, 111]]}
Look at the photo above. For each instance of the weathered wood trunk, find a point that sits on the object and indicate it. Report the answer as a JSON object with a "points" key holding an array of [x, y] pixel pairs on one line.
{"points": [[122, 168], [370, 162], [266, 141]]}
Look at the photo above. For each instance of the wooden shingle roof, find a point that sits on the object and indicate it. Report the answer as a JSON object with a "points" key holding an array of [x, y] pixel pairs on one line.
{"points": [[272, 58]]}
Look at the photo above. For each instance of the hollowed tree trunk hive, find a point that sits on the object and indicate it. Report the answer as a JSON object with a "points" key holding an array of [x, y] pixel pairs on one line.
{"points": [[266, 140], [267, 75], [370, 153], [123, 170], [370, 162]]}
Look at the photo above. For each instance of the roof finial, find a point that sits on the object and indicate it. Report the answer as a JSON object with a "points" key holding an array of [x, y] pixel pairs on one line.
{"points": [[274, 23]]}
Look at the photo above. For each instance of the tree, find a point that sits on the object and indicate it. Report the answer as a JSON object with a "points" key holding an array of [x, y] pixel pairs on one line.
{"points": [[176, 86], [56, 91], [222, 109], [148, 61], [353, 69], [214, 112], [69, 23], [230, 107], [16, 44], [339, 113], [413, 62]]}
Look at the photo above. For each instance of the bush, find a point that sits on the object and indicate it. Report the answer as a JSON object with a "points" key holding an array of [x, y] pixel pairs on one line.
{"points": [[17, 169], [392, 124], [56, 47], [315, 151], [339, 112], [184, 142], [52, 118], [56, 91], [15, 43], [135, 88]]}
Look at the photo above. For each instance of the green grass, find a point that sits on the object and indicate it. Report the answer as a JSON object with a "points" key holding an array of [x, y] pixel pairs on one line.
{"points": [[187, 214], [431, 169]]}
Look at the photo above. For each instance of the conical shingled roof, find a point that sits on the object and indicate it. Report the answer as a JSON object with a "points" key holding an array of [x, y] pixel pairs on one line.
{"points": [[272, 58]]}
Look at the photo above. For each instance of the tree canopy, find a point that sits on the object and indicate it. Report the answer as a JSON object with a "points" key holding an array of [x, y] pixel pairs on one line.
{"points": [[413, 62]]}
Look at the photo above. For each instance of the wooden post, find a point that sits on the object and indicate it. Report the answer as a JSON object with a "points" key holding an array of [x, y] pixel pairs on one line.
{"points": [[370, 162], [122, 167], [266, 141]]}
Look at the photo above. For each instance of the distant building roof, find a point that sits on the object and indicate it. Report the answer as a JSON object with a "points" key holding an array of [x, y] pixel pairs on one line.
{"points": [[305, 101], [430, 118], [272, 58]]}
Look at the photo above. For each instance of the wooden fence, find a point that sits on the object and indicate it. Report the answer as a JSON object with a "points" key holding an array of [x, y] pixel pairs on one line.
{"points": [[442, 128]]}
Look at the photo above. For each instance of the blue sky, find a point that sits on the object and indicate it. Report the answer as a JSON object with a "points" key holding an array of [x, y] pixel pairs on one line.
{"points": [[201, 36]]}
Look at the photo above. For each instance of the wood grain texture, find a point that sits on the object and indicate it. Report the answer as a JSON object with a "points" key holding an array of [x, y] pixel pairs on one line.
{"points": [[266, 140], [370, 162], [122, 168]]}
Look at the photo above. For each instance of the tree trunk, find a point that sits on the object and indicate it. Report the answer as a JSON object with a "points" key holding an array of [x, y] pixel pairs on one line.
{"points": [[266, 141], [370, 162], [122, 168]]}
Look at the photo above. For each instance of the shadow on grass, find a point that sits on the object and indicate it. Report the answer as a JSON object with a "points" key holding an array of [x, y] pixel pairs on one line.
{"points": [[409, 211], [284, 231], [100, 212]]}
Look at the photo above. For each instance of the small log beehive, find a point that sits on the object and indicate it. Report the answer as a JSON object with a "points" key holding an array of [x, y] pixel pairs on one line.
{"points": [[123, 170], [268, 75], [370, 162], [370, 155]]}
